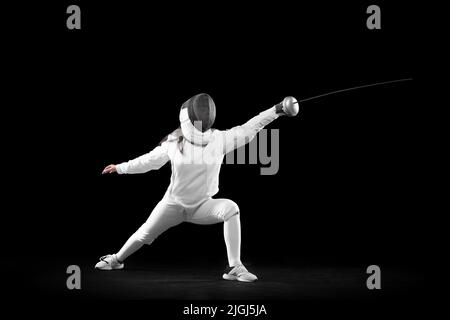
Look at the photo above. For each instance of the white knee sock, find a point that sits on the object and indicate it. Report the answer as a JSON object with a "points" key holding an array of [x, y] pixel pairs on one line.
{"points": [[232, 235], [131, 246]]}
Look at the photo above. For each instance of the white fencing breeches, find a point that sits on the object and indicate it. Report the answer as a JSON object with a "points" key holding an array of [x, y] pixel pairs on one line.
{"points": [[168, 213]]}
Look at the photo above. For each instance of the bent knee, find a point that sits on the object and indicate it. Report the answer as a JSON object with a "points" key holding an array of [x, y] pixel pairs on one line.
{"points": [[231, 209]]}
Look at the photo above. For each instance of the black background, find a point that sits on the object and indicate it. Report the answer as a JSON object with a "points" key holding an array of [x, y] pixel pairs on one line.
{"points": [[348, 188]]}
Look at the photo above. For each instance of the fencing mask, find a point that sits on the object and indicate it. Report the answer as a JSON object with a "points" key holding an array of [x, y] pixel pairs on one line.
{"points": [[197, 116]]}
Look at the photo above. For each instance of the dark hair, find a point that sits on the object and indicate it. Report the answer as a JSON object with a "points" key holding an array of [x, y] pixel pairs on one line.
{"points": [[177, 135]]}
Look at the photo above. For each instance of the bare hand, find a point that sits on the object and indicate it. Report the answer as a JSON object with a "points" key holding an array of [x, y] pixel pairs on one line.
{"points": [[109, 169]]}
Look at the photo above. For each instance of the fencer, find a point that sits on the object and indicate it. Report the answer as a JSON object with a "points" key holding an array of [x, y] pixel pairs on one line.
{"points": [[195, 151]]}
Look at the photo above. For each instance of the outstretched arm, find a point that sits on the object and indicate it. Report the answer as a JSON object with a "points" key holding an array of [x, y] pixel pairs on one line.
{"points": [[153, 160], [240, 135]]}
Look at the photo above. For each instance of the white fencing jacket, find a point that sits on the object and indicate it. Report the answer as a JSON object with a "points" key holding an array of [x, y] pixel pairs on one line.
{"points": [[195, 171]]}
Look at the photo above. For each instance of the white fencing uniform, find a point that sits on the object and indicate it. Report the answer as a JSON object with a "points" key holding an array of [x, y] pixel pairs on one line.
{"points": [[194, 180]]}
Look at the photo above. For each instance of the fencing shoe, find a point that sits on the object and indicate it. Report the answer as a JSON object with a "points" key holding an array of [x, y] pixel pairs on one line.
{"points": [[239, 273], [109, 262]]}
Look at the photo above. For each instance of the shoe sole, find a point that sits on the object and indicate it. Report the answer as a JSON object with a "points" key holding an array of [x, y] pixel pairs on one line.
{"points": [[109, 268]]}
